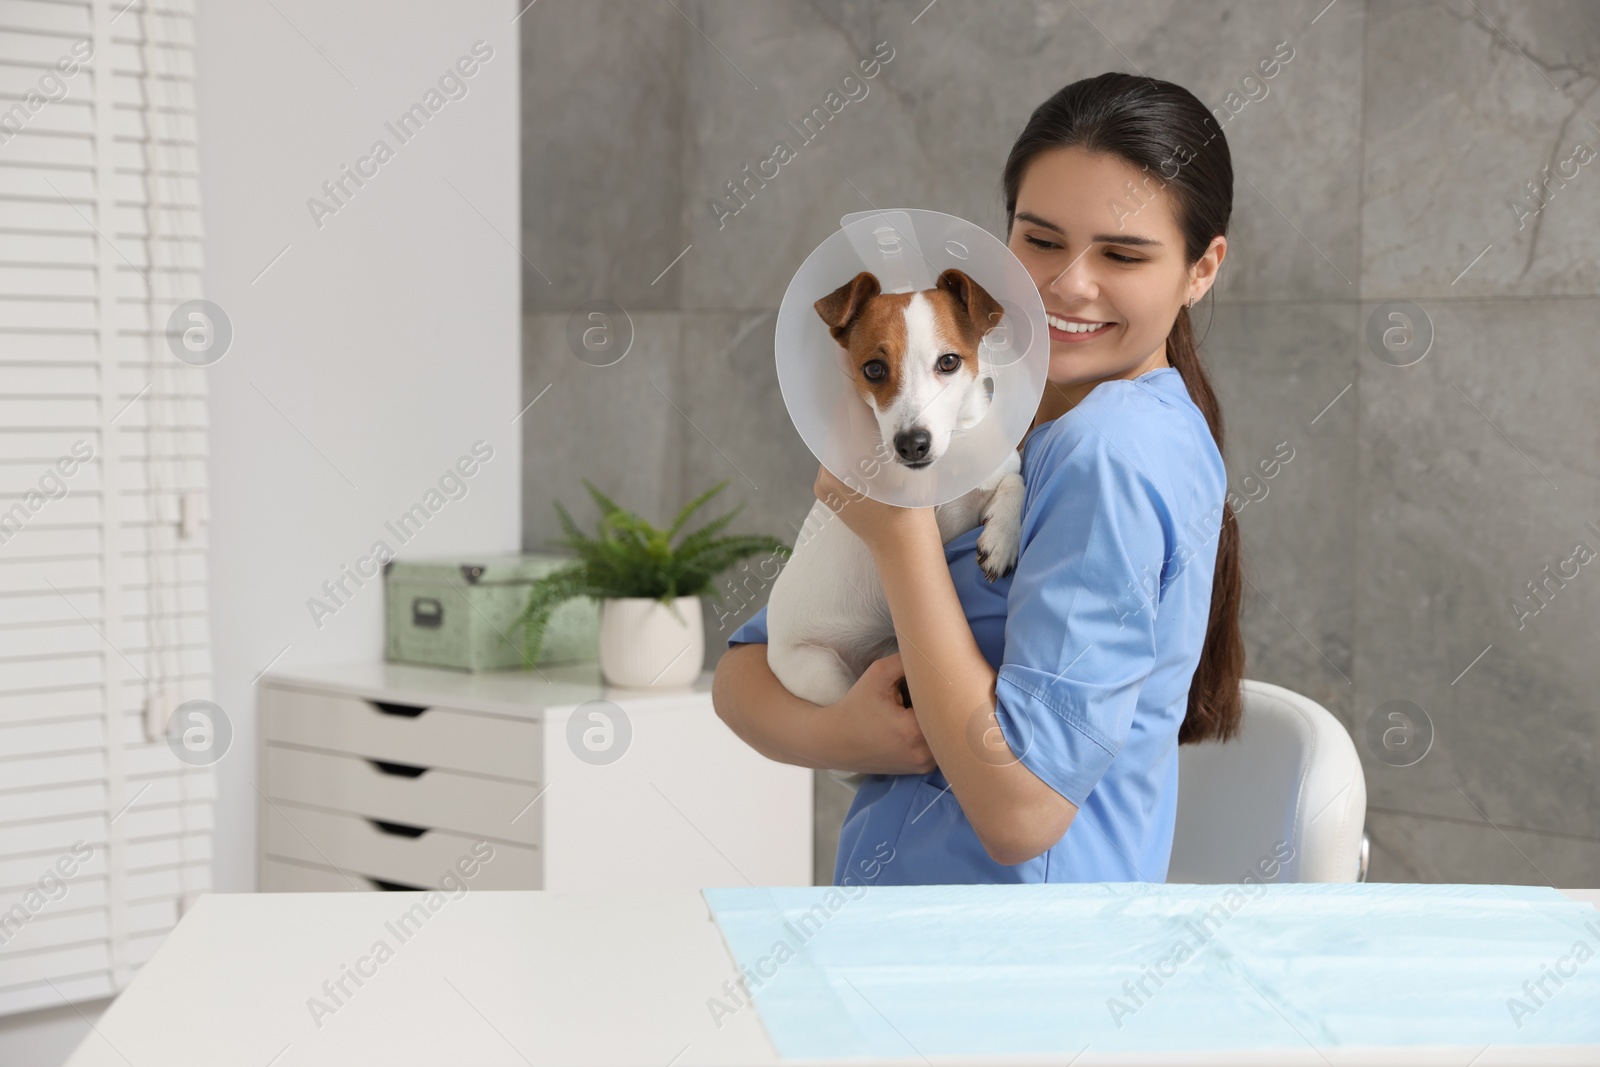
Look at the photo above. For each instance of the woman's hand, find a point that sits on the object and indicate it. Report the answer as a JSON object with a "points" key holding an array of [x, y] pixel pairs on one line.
{"points": [[879, 525], [874, 732]]}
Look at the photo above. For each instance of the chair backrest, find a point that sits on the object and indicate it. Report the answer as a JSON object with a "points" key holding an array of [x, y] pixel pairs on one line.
{"points": [[1285, 799]]}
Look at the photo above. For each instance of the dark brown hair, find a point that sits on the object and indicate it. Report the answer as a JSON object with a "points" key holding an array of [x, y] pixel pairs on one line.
{"points": [[1163, 130]]}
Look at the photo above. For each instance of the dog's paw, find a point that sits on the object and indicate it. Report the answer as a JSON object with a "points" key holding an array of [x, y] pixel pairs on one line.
{"points": [[1001, 540], [997, 549]]}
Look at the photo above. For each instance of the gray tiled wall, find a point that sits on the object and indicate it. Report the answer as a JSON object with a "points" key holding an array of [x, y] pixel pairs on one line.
{"points": [[1381, 166]]}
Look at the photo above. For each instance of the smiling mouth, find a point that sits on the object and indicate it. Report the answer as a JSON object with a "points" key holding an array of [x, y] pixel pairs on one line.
{"points": [[1065, 326]]}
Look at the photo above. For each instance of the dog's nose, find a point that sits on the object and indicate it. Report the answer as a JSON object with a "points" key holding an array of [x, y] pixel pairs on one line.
{"points": [[913, 445]]}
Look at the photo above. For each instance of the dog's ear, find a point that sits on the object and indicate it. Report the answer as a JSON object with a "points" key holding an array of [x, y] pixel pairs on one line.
{"points": [[983, 311], [840, 307]]}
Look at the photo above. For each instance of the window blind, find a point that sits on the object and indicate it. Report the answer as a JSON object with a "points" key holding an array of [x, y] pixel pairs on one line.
{"points": [[104, 833]]}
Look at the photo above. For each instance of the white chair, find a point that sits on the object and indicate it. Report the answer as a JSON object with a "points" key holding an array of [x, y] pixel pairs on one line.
{"points": [[1287, 790]]}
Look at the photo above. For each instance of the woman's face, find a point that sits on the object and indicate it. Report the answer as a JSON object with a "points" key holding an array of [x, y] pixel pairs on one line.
{"points": [[1101, 241]]}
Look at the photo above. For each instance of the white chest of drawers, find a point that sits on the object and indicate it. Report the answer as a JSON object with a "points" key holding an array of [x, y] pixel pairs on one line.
{"points": [[390, 776]]}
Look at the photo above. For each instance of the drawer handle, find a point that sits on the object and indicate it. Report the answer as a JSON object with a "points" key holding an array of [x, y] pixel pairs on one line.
{"points": [[398, 829], [427, 612], [394, 887], [400, 770], [407, 711]]}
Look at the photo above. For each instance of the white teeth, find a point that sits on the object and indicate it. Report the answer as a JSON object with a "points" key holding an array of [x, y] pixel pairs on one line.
{"points": [[1074, 327]]}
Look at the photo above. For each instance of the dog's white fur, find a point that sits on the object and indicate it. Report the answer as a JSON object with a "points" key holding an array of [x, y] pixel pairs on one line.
{"points": [[828, 618]]}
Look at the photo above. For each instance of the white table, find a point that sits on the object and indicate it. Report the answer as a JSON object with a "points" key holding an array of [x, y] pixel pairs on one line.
{"points": [[497, 979]]}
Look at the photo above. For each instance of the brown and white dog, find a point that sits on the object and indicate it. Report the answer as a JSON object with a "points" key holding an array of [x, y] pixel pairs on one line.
{"points": [[914, 363]]}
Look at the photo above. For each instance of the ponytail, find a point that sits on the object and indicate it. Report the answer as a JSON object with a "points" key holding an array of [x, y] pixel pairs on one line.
{"points": [[1216, 702]]}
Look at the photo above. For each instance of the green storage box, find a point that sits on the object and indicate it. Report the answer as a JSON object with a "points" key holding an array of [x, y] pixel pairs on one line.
{"points": [[460, 613]]}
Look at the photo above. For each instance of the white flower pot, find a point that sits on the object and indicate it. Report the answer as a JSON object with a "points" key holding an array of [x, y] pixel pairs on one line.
{"points": [[643, 645]]}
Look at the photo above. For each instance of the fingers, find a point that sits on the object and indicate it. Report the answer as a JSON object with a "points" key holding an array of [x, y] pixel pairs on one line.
{"points": [[834, 492], [893, 675], [830, 490]]}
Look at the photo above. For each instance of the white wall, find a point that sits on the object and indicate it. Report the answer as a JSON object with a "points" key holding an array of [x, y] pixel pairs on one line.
{"points": [[365, 361], [375, 352]]}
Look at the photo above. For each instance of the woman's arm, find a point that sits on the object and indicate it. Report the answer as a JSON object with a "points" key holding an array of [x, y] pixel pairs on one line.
{"points": [[1014, 813], [1024, 746], [765, 715], [869, 730]]}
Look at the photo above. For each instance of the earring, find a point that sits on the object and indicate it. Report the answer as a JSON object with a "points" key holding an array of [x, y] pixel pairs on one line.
{"points": [[1190, 304]]}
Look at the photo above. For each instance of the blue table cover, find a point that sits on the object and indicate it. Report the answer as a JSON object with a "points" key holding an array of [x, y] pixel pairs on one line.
{"points": [[944, 970]]}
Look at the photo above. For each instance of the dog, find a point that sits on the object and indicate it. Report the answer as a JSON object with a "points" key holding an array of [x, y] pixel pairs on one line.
{"points": [[914, 361]]}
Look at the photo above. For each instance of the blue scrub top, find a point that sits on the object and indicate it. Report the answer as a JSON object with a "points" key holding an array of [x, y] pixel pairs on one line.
{"points": [[1094, 636]]}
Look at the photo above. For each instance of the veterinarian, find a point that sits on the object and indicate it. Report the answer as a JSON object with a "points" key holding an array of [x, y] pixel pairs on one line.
{"points": [[1047, 707]]}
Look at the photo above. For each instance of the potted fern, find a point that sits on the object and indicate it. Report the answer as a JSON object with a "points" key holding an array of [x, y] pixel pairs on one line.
{"points": [[649, 590]]}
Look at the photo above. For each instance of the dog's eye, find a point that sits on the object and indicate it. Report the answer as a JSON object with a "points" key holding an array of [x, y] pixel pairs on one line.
{"points": [[949, 361], [875, 370]]}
